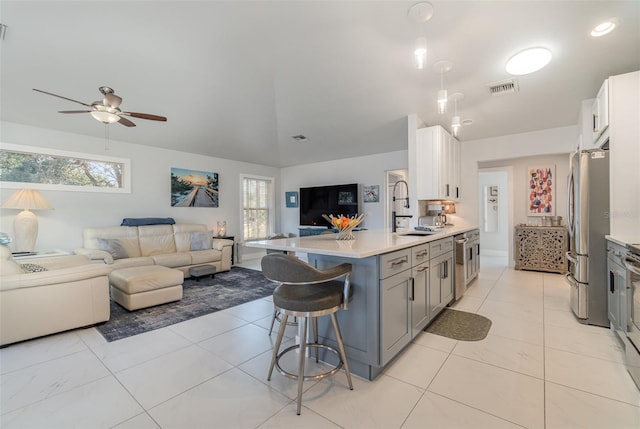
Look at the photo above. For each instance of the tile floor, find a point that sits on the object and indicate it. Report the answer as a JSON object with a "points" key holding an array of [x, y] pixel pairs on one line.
{"points": [[537, 368]]}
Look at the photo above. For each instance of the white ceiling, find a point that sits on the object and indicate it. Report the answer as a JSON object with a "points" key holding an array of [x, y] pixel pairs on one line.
{"points": [[238, 79]]}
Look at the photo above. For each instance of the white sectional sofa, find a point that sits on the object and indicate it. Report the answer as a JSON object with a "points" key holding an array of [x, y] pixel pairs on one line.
{"points": [[177, 246]]}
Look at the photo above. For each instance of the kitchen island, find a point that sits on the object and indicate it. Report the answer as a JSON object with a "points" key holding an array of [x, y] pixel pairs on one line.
{"points": [[401, 282]]}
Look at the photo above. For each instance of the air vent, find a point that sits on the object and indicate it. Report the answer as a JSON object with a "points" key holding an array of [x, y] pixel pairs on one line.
{"points": [[503, 87], [300, 138]]}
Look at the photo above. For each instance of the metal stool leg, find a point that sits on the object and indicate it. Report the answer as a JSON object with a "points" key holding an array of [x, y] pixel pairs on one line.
{"points": [[276, 348], [334, 320], [303, 343], [315, 335], [275, 314]]}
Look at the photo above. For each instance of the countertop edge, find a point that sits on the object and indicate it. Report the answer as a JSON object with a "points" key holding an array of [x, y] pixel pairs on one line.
{"points": [[380, 241]]}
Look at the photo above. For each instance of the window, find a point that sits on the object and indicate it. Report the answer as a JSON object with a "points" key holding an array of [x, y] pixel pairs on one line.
{"points": [[40, 168], [257, 207]]}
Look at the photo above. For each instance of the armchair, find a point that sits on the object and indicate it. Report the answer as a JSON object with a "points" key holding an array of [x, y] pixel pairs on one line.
{"points": [[71, 293]]}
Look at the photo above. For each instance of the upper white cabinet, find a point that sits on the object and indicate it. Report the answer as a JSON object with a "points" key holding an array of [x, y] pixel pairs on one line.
{"points": [[600, 112], [585, 126], [437, 164]]}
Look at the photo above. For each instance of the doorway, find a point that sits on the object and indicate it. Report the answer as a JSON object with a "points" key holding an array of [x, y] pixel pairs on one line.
{"points": [[495, 211]]}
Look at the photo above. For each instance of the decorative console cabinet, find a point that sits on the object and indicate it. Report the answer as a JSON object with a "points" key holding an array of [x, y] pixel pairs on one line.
{"points": [[541, 248]]}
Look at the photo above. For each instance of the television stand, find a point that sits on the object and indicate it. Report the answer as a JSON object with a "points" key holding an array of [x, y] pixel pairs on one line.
{"points": [[311, 230]]}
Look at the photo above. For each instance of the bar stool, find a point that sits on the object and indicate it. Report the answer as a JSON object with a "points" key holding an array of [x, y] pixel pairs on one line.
{"points": [[306, 292]]}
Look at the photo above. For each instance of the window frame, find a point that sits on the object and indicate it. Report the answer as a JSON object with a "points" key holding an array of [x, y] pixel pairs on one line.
{"points": [[270, 204], [125, 162]]}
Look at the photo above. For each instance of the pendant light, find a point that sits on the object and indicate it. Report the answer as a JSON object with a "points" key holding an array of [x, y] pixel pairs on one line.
{"points": [[420, 13], [442, 67], [456, 122]]}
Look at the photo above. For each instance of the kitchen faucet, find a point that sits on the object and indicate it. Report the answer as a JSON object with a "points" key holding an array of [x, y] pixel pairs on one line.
{"points": [[406, 204]]}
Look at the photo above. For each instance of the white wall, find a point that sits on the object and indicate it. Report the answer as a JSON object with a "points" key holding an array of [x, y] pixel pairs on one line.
{"points": [[150, 188], [365, 170], [561, 140]]}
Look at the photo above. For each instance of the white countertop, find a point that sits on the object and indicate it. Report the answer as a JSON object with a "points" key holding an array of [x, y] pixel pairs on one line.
{"points": [[367, 243], [623, 240]]}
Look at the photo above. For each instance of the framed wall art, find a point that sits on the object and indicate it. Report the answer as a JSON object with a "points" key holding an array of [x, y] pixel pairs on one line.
{"points": [[291, 199], [540, 182], [192, 188], [371, 194]]}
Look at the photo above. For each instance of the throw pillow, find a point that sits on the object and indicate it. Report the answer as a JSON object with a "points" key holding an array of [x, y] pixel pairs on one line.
{"points": [[200, 240], [113, 246], [33, 268]]}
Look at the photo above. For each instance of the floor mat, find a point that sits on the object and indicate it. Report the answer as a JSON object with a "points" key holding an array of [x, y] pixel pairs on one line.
{"points": [[460, 325]]}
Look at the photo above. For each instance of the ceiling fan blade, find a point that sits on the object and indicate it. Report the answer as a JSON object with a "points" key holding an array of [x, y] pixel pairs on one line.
{"points": [[60, 96], [126, 122], [74, 111], [145, 116]]}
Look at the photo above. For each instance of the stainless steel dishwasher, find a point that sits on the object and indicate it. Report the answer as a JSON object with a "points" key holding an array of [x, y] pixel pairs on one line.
{"points": [[467, 260]]}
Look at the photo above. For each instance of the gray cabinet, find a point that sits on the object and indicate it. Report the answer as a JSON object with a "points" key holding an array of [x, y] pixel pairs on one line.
{"points": [[440, 276], [419, 296], [616, 285], [395, 317]]}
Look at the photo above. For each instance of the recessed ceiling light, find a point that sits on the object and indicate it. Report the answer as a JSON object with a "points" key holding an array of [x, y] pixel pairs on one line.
{"points": [[300, 138], [604, 28], [528, 61]]}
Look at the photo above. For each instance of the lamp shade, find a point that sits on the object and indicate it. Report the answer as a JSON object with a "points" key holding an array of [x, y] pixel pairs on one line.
{"points": [[27, 199]]}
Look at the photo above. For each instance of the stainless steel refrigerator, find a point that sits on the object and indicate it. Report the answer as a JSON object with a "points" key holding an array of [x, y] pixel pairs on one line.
{"points": [[588, 223]]}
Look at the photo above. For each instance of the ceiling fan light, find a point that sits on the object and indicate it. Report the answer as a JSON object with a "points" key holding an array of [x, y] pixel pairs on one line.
{"points": [[528, 61], [420, 53], [104, 116], [442, 101]]}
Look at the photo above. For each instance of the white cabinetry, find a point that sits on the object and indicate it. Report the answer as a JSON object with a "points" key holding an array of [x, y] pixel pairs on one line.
{"points": [[585, 125], [600, 114], [437, 164], [624, 155]]}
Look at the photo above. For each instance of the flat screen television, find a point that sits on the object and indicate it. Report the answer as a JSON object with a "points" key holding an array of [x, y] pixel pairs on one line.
{"points": [[335, 200]]}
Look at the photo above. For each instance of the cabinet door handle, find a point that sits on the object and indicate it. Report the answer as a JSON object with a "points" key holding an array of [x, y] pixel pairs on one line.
{"points": [[422, 254], [611, 282], [423, 269], [595, 123], [413, 292], [404, 260], [447, 189], [457, 192]]}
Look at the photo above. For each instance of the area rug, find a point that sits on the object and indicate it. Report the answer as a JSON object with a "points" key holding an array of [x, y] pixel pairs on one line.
{"points": [[228, 289], [460, 325]]}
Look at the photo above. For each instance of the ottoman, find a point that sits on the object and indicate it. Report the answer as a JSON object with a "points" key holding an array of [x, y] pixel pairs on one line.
{"points": [[140, 287], [201, 271]]}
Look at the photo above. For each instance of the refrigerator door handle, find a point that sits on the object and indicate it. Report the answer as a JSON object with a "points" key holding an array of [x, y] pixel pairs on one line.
{"points": [[571, 258], [571, 202]]}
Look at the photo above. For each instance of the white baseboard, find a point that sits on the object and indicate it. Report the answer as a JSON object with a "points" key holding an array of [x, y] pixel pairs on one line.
{"points": [[488, 252]]}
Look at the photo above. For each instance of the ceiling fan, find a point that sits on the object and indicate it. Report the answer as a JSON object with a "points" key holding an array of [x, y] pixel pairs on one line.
{"points": [[108, 110]]}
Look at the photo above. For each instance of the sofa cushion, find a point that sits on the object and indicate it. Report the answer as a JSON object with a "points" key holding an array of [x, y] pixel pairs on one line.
{"points": [[201, 240], [140, 261], [172, 260], [127, 235], [182, 234], [205, 256], [114, 247], [156, 240]]}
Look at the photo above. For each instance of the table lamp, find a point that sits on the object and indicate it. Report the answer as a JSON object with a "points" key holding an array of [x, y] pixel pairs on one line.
{"points": [[25, 224]]}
